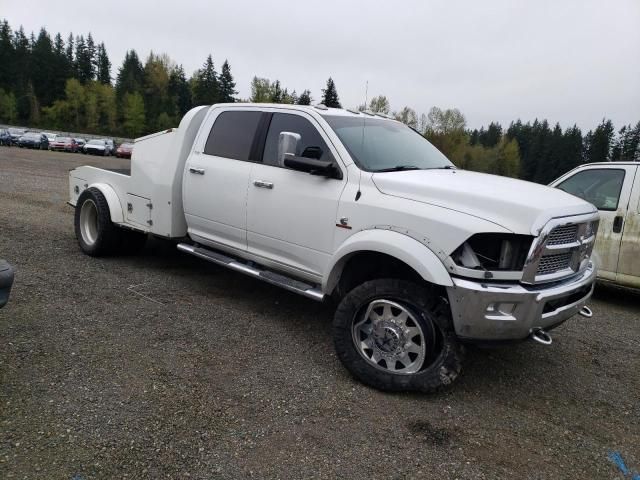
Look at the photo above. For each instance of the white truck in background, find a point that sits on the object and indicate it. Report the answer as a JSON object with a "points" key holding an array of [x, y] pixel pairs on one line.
{"points": [[421, 257], [614, 189]]}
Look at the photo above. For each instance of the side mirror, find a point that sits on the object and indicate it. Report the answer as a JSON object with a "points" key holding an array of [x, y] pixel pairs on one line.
{"points": [[326, 168], [288, 146]]}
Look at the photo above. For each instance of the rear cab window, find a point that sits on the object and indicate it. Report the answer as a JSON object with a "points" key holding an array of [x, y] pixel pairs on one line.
{"points": [[232, 134]]}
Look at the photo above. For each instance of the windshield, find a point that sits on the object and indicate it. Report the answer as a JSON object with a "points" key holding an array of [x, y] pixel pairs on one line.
{"points": [[376, 144], [16, 131], [63, 139], [96, 142], [32, 135]]}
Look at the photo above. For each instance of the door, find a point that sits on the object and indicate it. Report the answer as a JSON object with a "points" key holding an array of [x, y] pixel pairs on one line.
{"points": [[608, 188], [291, 216], [629, 264], [216, 178]]}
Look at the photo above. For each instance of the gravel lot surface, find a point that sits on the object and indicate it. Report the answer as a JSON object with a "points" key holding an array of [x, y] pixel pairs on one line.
{"points": [[164, 366]]}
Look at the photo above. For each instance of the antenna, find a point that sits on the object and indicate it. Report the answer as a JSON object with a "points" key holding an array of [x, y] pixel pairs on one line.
{"points": [[366, 94], [364, 122]]}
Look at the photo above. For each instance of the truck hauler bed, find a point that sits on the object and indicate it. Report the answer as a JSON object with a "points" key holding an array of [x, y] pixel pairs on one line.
{"points": [[422, 257]]}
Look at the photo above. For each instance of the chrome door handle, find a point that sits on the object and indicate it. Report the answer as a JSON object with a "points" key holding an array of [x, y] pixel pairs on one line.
{"points": [[197, 171], [263, 184]]}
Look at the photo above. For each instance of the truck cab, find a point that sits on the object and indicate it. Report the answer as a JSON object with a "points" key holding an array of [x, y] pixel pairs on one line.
{"points": [[419, 256], [614, 189]]}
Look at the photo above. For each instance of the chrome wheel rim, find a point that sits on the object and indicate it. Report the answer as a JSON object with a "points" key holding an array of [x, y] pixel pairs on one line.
{"points": [[389, 337], [89, 222]]}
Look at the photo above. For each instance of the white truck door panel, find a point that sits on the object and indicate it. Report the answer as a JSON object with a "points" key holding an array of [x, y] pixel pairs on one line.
{"points": [[215, 197], [629, 263], [291, 215], [216, 177], [294, 221], [608, 188]]}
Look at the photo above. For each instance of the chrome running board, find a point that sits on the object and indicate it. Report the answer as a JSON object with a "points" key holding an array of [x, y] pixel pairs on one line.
{"points": [[268, 276]]}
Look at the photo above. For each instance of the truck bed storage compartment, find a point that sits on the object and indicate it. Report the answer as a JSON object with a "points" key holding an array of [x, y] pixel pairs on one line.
{"points": [[139, 211], [76, 187]]}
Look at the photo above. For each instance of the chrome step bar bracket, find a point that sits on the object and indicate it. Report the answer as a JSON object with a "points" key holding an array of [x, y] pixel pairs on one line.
{"points": [[268, 276]]}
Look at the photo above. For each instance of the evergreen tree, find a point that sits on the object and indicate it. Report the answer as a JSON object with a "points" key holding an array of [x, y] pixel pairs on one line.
{"points": [[490, 137], [179, 92], [205, 86], [305, 98], [156, 89], [92, 55], [103, 65], [276, 92], [69, 52], [598, 143], [7, 73], [83, 61], [330, 95], [130, 77], [226, 84], [43, 62]]}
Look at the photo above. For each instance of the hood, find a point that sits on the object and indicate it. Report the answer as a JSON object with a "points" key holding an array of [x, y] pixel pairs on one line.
{"points": [[519, 206]]}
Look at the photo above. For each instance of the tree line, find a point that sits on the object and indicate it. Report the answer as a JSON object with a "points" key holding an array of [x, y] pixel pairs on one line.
{"points": [[67, 84]]}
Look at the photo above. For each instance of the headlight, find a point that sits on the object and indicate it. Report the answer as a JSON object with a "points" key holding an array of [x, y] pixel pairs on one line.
{"points": [[493, 252]]}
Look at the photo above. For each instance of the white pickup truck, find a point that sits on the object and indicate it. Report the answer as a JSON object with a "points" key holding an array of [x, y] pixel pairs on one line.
{"points": [[614, 189], [422, 257]]}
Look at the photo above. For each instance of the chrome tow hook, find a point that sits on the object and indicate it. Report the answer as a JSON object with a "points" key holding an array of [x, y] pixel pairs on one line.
{"points": [[586, 312], [540, 336]]}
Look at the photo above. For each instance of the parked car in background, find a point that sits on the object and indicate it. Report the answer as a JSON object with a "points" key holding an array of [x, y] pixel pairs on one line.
{"points": [[5, 137], [111, 146], [124, 150], [16, 133], [34, 140], [81, 142], [6, 280], [614, 189], [64, 144], [50, 136], [96, 147]]}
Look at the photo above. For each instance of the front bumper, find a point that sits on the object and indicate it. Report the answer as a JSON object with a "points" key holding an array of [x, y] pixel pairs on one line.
{"points": [[501, 312]]}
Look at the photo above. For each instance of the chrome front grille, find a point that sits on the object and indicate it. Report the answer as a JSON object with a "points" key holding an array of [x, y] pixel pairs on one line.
{"points": [[562, 249], [563, 234], [554, 263]]}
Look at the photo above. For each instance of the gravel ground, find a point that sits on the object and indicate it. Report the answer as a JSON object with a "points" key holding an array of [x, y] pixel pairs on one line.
{"points": [[161, 365]]}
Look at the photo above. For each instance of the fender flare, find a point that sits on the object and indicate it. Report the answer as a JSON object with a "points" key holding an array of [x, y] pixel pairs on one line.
{"points": [[402, 247], [115, 207]]}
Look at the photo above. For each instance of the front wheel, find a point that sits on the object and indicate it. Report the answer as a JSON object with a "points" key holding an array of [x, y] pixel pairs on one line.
{"points": [[396, 335]]}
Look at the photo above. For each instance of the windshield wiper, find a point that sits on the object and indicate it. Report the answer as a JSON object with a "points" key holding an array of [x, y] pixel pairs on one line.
{"points": [[399, 168]]}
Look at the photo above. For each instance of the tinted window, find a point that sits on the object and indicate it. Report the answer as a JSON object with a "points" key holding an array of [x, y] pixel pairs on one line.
{"points": [[601, 187], [311, 143], [232, 135]]}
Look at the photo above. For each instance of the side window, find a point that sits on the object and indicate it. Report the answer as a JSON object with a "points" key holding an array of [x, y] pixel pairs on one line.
{"points": [[232, 134], [311, 143], [601, 187]]}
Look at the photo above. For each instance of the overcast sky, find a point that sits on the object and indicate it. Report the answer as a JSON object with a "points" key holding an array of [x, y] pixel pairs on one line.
{"points": [[564, 60]]}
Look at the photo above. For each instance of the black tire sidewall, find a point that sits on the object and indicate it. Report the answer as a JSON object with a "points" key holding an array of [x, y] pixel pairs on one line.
{"points": [[432, 314], [108, 235]]}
